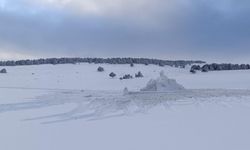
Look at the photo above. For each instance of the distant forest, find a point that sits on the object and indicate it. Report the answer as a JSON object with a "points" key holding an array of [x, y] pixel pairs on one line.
{"points": [[145, 61], [219, 67]]}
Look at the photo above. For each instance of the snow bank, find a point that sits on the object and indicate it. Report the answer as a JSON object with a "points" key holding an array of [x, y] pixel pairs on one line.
{"points": [[163, 84]]}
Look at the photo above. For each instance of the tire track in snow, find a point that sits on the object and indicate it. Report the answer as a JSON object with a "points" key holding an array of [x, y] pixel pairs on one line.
{"points": [[95, 105]]}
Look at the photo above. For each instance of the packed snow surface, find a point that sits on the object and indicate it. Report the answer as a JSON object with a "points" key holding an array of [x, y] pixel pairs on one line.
{"points": [[162, 84], [62, 107], [94, 105]]}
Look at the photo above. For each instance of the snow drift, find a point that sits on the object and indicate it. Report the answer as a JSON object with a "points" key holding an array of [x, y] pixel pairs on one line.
{"points": [[163, 84]]}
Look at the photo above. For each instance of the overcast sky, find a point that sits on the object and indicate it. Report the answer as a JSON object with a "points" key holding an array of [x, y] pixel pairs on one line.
{"points": [[211, 30]]}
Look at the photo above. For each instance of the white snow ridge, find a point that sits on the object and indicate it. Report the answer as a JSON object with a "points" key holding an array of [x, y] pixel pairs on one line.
{"points": [[163, 84]]}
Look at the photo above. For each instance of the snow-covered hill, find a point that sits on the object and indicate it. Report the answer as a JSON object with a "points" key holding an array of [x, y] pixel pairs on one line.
{"points": [[86, 109]]}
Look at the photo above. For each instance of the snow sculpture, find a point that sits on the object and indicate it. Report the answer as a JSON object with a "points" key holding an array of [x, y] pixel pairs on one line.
{"points": [[163, 84]]}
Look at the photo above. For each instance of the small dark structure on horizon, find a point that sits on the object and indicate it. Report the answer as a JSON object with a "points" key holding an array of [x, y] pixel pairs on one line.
{"points": [[126, 76], [112, 74], [100, 69], [3, 71], [138, 75]]}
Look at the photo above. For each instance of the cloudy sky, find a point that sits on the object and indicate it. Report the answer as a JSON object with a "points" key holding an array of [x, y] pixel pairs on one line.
{"points": [[212, 30]]}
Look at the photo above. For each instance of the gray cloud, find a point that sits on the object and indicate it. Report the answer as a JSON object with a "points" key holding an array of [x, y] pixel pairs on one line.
{"points": [[198, 29]]}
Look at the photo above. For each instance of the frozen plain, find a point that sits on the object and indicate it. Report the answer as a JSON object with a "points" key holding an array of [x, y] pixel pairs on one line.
{"points": [[41, 108]]}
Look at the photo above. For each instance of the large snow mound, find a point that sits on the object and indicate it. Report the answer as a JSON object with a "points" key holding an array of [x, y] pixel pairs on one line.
{"points": [[163, 84]]}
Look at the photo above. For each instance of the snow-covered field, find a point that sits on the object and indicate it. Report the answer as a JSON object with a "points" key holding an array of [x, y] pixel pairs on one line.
{"points": [[64, 107]]}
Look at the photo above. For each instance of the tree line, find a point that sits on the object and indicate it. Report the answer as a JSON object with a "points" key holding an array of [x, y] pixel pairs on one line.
{"points": [[218, 67], [55, 61]]}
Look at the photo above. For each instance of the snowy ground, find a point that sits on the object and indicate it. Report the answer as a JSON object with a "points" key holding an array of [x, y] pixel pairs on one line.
{"points": [[75, 107]]}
